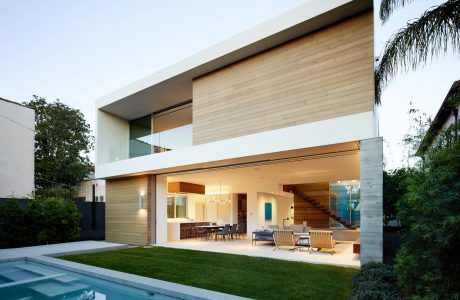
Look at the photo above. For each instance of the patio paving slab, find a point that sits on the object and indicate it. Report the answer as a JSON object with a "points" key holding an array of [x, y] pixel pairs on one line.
{"points": [[58, 249]]}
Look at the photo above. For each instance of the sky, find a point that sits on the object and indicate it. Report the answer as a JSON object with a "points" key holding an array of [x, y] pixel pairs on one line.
{"points": [[79, 51]]}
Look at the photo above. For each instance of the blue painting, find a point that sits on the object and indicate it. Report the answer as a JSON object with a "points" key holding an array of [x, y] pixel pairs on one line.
{"points": [[268, 211]]}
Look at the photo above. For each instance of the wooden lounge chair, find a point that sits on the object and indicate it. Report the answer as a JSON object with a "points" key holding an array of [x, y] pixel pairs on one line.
{"points": [[284, 238], [322, 240]]}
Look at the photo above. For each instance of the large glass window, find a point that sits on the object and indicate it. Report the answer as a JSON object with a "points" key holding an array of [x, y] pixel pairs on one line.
{"points": [[344, 199], [172, 128], [159, 132], [140, 131], [177, 206]]}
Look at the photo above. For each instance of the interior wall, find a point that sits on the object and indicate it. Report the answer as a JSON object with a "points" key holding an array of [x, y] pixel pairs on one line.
{"points": [[281, 209], [192, 200]]}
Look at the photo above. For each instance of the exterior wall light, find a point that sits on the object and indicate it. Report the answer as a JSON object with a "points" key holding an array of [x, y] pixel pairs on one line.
{"points": [[141, 201]]}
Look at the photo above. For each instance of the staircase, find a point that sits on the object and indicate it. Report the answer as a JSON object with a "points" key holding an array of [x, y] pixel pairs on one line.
{"points": [[322, 208]]}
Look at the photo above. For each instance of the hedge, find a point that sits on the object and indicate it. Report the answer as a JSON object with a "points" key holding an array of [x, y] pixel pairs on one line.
{"points": [[43, 221]]}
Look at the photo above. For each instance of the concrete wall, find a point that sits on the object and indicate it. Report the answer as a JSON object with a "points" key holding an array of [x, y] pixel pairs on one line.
{"points": [[372, 200], [17, 136]]}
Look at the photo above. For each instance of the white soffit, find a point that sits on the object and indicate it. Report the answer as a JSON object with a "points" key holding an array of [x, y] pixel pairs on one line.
{"points": [[173, 84]]}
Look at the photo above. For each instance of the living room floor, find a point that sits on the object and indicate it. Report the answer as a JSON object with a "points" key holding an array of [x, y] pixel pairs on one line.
{"points": [[343, 255]]}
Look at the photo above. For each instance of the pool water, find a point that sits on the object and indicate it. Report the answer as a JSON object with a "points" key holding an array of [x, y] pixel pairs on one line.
{"points": [[25, 280]]}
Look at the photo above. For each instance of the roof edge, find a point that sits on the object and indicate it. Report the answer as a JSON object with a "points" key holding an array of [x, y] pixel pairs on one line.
{"points": [[449, 103], [17, 103]]}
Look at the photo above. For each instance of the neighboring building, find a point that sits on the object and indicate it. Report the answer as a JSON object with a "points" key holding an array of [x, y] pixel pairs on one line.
{"points": [[446, 117], [17, 147], [84, 189], [266, 128]]}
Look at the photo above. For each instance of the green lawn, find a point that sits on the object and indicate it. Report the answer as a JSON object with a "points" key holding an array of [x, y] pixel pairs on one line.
{"points": [[253, 277]]}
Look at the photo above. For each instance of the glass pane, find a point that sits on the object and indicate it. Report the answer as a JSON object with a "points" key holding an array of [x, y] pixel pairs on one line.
{"points": [[171, 139], [181, 202], [140, 136], [344, 197], [172, 129], [176, 117], [170, 210]]}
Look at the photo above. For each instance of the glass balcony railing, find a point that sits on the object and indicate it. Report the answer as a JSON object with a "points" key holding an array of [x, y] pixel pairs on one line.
{"points": [[176, 138]]}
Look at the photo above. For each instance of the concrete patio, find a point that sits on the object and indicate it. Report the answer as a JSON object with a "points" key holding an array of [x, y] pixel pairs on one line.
{"points": [[343, 256]]}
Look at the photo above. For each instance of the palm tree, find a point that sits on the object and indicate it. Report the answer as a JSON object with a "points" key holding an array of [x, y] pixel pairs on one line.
{"points": [[434, 33]]}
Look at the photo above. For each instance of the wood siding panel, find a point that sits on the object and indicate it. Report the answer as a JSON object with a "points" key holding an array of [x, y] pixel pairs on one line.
{"points": [[326, 74], [124, 222], [304, 211]]}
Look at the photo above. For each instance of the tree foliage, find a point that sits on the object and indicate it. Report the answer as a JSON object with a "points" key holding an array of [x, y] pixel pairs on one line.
{"points": [[428, 263], [434, 33], [62, 143], [394, 188]]}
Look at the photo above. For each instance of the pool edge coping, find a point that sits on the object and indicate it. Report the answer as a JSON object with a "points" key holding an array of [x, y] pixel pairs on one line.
{"points": [[140, 282]]}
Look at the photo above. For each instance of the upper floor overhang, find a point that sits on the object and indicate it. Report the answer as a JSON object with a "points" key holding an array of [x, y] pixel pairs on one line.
{"points": [[173, 84]]}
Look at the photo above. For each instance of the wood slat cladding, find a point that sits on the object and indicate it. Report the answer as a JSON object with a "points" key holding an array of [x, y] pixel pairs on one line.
{"points": [[304, 211], [186, 187], [326, 74], [124, 221]]}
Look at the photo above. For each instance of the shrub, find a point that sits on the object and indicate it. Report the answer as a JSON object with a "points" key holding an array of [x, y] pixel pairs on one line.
{"points": [[13, 227], [42, 221], [375, 281]]}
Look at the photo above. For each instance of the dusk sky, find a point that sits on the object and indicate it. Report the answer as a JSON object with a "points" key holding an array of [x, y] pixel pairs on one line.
{"points": [[79, 51]]}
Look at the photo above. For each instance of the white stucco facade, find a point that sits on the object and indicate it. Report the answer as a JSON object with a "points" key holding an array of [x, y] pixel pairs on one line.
{"points": [[17, 138]]}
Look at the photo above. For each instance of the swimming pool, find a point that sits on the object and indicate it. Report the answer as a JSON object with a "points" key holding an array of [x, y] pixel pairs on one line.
{"points": [[23, 279]]}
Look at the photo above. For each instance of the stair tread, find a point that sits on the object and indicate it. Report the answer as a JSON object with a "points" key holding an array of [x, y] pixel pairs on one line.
{"points": [[323, 209]]}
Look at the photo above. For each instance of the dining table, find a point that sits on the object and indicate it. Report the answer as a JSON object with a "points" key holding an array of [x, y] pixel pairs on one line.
{"points": [[211, 228]]}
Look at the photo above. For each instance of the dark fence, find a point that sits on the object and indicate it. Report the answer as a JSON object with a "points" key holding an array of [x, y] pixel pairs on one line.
{"points": [[391, 243], [92, 222]]}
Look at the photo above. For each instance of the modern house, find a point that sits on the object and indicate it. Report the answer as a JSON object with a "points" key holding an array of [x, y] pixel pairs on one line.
{"points": [[274, 126], [446, 117], [89, 187], [17, 136]]}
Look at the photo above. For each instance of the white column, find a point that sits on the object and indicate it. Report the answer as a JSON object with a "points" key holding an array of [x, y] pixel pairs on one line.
{"points": [[161, 210], [234, 208], [371, 168]]}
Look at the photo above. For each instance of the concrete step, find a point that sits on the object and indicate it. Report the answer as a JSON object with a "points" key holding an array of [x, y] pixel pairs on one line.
{"points": [[57, 289]]}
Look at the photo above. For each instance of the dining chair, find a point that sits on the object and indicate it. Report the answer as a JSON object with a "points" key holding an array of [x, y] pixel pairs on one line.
{"points": [[233, 231], [241, 231], [223, 233]]}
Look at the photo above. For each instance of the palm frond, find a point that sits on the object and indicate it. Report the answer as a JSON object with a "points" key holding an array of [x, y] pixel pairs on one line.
{"points": [[388, 6], [432, 34]]}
